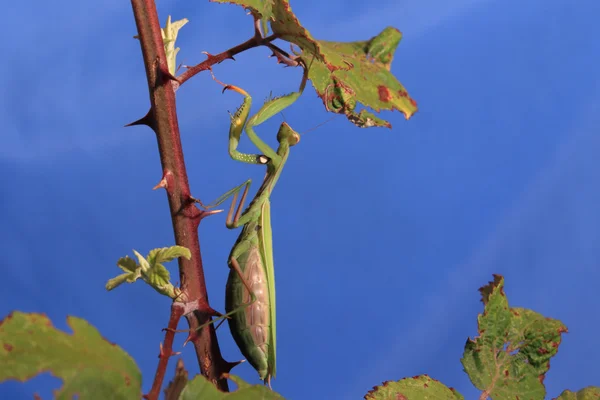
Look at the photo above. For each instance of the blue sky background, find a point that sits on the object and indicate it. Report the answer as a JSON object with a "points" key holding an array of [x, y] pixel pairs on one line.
{"points": [[381, 237]]}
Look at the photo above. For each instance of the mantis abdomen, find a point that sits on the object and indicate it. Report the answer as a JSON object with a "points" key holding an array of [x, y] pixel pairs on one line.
{"points": [[251, 328]]}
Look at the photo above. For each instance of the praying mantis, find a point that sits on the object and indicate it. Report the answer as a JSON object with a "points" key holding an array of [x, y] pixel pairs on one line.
{"points": [[250, 290]]}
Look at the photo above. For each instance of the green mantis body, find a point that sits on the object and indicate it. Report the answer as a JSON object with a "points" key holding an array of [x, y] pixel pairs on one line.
{"points": [[250, 291]]}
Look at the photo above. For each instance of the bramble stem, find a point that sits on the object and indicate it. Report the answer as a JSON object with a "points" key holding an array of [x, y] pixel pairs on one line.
{"points": [[185, 215]]}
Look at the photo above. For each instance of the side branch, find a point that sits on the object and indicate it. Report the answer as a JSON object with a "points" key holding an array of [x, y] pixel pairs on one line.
{"points": [[255, 41], [166, 351]]}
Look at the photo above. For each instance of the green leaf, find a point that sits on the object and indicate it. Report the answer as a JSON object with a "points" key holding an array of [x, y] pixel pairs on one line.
{"points": [[589, 393], [143, 263], [343, 73], [365, 79], [150, 269], [127, 264], [201, 388], [114, 282], [169, 35], [512, 353], [166, 254], [159, 278], [89, 366], [418, 387], [132, 273]]}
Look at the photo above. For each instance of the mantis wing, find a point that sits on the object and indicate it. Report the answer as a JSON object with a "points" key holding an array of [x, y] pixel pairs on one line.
{"points": [[266, 250]]}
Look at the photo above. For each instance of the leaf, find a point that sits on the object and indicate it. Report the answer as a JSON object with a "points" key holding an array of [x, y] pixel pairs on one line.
{"points": [[512, 353], [343, 73], [169, 35], [589, 393], [166, 254], [143, 263], [89, 366], [150, 269], [127, 264], [418, 387], [114, 282], [365, 79], [132, 273], [201, 388]]}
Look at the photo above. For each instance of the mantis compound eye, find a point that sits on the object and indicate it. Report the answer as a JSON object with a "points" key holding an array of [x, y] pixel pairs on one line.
{"points": [[294, 139]]}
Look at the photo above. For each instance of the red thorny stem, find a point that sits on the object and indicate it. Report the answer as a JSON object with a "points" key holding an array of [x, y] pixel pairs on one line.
{"points": [[162, 118], [166, 351]]}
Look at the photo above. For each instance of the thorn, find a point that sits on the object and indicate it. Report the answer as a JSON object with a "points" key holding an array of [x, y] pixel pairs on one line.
{"points": [[213, 313], [147, 120], [191, 337], [164, 71], [229, 366], [208, 213], [161, 185]]}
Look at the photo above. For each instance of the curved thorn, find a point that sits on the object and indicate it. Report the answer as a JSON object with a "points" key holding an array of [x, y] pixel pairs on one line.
{"points": [[147, 120], [230, 365]]}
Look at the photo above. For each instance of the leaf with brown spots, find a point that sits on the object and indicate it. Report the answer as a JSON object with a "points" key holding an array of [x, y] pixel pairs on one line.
{"points": [[365, 78], [511, 355], [417, 387], [589, 393], [89, 366], [344, 74]]}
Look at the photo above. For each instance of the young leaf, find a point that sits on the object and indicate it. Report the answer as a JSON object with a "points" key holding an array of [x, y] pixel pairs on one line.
{"points": [[512, 353], [143, 263], [169, 35], [166, 254], [150, 269], [589, 393], [118, 280], [201, 388], [132, 273], [127, 264], [418, 387], [89, 366]]}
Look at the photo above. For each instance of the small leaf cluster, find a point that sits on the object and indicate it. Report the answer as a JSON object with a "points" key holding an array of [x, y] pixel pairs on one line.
{"points": [[150, 269]]}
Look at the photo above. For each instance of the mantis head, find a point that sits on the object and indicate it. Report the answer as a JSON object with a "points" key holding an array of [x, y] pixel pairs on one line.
{"points": [[287, 135]]}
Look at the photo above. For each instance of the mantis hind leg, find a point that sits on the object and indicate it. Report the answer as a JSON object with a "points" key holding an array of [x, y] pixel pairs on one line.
{"points": [[236, 266]]}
